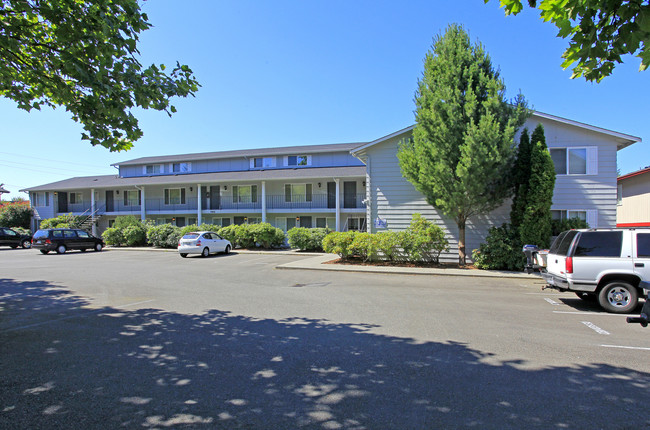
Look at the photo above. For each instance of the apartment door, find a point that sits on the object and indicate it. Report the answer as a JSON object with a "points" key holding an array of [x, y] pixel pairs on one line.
{"points": [[215, 197], [110, 206], [305, 221], [350, 194], [63, 202], [331, 195]]}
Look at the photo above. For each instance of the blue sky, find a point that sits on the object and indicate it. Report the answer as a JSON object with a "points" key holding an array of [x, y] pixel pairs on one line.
{"points": [[288, 73]]}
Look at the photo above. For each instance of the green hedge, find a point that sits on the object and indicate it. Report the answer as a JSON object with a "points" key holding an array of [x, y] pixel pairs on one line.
{"points": [[307, 239], [126, 231], [15, 215]]}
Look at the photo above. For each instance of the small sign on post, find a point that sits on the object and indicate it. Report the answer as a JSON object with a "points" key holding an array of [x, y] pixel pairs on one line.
{"points": [[381, 223]]}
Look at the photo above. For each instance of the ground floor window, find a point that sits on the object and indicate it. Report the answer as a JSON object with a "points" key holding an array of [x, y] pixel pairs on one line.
{"points": [[323, 222], [590, 216], [221, 222], [239, 220], [356, 224]]}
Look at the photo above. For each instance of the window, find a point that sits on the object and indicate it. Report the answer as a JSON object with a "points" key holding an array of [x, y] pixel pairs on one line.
{"points": [[239, 220], [562, 215], [41, 199], [111, 223], [244, 194], [619, 194], [9, 232], [297, 160], [599, 244], [643, 245], [221, 222], [69, 234], [563, 243], [153, 169], [575, 161], [356, 224], [297, 193], [181, 167], [174, 196], [262, 162], [83, 234], [76, 198], [131, 197]]}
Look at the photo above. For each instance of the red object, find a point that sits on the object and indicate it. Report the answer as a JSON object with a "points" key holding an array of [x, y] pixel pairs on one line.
{"points": [[634, 224], [569, 265]]}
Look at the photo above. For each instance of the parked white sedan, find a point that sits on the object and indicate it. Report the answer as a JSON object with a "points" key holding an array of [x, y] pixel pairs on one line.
{"points": [[204, 243]]}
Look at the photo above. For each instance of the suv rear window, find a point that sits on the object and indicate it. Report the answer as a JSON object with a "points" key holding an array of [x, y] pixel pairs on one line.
{"points": [[41, 234], [643, 245], [563, 242], [599, 244]]}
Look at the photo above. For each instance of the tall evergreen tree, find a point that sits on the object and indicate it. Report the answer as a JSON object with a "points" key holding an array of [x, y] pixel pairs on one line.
{"points": [[521, 178], [536, 225], [462, 147]]}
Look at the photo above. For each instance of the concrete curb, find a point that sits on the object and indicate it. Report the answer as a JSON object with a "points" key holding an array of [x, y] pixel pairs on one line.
{"points": [[236, 251]]}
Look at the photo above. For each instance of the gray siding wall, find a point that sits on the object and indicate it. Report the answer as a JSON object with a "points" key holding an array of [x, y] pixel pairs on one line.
{"points": [[333, 159]]}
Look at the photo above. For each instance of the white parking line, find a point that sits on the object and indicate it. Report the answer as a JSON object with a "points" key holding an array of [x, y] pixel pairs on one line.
{"points": [[551, 301], [639, 348], [602, 314], [596, 328]]}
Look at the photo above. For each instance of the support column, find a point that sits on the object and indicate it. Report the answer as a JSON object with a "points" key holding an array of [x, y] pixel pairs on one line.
{"points": [[92, 212], [263, 201], [199, 219], [143, 210], [338, 204]]}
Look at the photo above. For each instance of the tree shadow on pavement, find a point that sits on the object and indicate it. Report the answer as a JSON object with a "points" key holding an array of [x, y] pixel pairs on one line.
{"points": [[67, 365]]}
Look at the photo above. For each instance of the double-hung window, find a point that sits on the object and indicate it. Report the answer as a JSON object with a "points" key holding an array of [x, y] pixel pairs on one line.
{"points": [[174, 196], [153, 169], [297, 193], [575, 161], [181, 167], [244, 194]]}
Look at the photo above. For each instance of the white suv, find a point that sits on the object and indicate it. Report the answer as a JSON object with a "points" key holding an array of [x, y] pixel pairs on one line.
{"points": [[610, 265]]}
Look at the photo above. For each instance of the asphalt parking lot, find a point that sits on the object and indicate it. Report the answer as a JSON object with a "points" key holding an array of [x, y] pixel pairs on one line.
{"points": [[150, 340]]}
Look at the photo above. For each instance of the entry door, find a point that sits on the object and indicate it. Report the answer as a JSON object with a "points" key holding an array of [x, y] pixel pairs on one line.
{"points": [[110, 207], [350, 194], [215, 197], [63, 202], [331, 195], [305, 221]]}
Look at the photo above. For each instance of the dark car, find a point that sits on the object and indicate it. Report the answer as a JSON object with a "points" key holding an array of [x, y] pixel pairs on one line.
{"points": [[9, 237], [64, 239]]}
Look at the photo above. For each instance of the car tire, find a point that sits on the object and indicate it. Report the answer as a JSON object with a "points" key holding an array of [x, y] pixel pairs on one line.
{"points": [[618, 297], [61, 249], [44, 251], [206, 252], [183, 254], [26, 244], [98, 247], [587, 297], [227, 250]]}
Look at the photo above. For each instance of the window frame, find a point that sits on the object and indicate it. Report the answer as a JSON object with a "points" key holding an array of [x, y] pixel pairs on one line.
{"points": [[591, 159], [236, 195], [183, 167], [290, 196], [300, 161], [168, 196], [75, 197]]}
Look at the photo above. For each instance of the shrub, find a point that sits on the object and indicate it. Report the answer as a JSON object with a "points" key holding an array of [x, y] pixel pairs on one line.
{"points": [[266, 235], [122, 222], [135, 235], [558, 226], [502, 250], [229, 232], [307, 239], [113, 236], [244, 236], [390, 243], [15, 215], [365, 246], [62, 221], [164, 236], [339, 243], [423, 240]]}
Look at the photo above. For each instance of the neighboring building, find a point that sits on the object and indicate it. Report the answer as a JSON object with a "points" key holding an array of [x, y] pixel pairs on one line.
{"points": [[3, 191], [633, 208], [340, 186]]}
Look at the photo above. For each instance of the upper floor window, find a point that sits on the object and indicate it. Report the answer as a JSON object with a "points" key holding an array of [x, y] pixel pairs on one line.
{"points": [[174, 196], [297, 193], [76, 198], [297, 160], [244, 194], [131, 197], [619, 194], [153, 169], [262, 162], [181, 167], [575, 161]]}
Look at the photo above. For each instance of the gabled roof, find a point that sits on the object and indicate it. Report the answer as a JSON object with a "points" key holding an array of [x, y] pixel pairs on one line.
{"points": [[623, 140], [637, 173], [260, 152]]}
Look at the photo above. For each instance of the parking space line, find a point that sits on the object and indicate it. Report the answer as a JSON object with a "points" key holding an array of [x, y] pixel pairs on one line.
{"points": [[551, 301], [602, 314], [595, 328], [638, 348]]}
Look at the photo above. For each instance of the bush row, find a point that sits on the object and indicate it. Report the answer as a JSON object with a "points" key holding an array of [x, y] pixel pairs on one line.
{"points": [[307, 239], [423, 241]]}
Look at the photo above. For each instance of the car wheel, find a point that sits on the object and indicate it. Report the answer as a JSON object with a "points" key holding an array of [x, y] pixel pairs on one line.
{"points": [[618, 297], [44, 251], [183, 254], [26, 244], [227, 251], [206, 252], [98, 247], [61, 249], [587, 297]]}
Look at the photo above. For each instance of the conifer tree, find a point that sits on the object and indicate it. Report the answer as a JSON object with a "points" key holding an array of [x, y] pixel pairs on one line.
{"points": [[521, 178], [462, 148], [536, 225]]}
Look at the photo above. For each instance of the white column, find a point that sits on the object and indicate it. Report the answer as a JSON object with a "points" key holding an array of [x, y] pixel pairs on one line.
{"points": [[338, 204], [199, 219], [92, 211], [263, 201], [143, 211]]}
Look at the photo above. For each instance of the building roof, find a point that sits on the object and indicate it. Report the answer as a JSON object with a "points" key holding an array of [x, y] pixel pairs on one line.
{"points": [[637, 173], [112, 181], [3, 190], [623, 140], [260, 152]]}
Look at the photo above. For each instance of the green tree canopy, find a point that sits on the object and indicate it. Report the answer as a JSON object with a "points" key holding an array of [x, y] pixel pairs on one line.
{"points": [[82, 54], [462, 149], [600, 32]]}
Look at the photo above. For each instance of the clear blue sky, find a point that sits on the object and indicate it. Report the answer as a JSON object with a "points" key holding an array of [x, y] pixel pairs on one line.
{"points": [[300, 72]]}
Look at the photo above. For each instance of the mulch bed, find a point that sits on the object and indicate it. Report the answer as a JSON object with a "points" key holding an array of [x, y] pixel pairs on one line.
{"points": [[360, 262]]}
